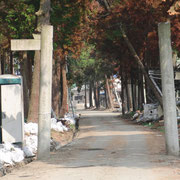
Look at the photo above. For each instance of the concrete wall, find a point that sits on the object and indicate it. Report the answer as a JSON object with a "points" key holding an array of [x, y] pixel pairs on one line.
{"points": [[12, 115]]}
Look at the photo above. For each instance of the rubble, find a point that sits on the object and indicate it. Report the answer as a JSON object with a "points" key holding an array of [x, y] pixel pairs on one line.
{"points": [[151, 112], [136, 115], [10, 154], [30, 145], [31, 128], [57, 125], [71, 120]]}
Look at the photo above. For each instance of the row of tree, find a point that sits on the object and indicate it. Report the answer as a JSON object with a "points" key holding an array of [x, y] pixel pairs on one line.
{"points": [[93, 39]]}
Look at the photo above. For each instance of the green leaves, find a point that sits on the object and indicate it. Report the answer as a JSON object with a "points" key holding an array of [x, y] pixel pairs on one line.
{"points": [[20, 19], [65, 17], [82, 69]]}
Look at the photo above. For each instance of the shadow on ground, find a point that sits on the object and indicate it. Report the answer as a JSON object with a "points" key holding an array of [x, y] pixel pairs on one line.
{"points": [[106, 140]]}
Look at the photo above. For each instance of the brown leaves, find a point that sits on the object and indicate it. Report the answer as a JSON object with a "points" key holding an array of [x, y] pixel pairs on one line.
{"points": [[154, 3], [175, 8], [175, 28]]}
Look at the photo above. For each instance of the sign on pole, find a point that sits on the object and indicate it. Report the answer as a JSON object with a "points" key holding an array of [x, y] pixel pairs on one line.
{"points": [[25, 45]]}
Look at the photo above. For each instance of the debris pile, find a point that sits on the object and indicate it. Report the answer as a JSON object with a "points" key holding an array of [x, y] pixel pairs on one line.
{"points": [[11, 153], [30, 139], [151, 112], [57, 125], [70, 119]]}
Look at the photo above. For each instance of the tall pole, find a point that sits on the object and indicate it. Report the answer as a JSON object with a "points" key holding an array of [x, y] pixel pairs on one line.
{"points": [[44, 126], [169, 102]]}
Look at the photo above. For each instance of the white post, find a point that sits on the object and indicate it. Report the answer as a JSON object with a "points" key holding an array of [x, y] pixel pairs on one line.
{"points": [[169, 103], [44, 127]]}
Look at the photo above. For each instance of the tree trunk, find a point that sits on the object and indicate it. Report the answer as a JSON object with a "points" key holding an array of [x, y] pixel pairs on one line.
{"points": [[125, 98], [141, 66], [106, 100], [24, 73], [139, 95], [122, 92], [136, 95], [56, 86], [43, 14], [7, 65], [63, 109], [127, 95], [29, 75], [142, 89], [90, 95], [95, 95], [3, 63], [140, 92], [132, 91], [34, 98], [109, 93], [11, 63], [43, 18], [85, 102], [98, 95], [122, 98]]}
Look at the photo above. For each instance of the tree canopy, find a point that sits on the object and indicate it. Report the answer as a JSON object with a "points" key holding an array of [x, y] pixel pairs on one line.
{"points": [[88, 36]]}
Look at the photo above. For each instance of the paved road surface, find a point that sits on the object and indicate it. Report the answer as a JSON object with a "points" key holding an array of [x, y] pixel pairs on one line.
{"points": [[107, 148]]}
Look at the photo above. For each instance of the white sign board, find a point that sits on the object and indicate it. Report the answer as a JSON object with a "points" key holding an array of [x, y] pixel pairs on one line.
{"points": [[25, 44]]}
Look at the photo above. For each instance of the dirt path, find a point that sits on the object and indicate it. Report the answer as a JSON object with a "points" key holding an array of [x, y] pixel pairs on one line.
{"points": [[107, 148]]}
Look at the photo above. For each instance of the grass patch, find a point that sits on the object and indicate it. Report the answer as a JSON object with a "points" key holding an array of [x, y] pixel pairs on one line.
{"points": [[154, 125]]}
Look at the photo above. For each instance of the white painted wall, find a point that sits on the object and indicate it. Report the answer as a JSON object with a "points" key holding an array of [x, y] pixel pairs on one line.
{"points": [[12, 113]]}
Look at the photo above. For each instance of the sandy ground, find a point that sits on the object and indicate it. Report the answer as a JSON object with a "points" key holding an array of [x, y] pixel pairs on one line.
{"points": [[107, 148]]}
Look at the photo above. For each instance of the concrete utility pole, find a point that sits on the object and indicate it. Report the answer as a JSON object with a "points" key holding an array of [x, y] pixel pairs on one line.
{"points": [[169, 102], [44, 127]]}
